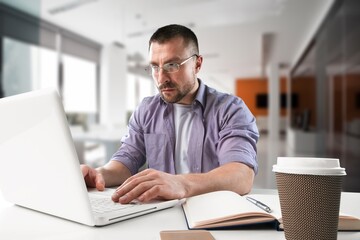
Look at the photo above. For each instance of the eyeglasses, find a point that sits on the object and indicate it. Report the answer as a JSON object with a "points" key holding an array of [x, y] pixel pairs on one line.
{"points": [[170, 67]]}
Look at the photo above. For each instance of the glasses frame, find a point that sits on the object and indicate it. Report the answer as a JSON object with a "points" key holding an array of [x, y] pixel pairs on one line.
{"points": [[154, 69]]}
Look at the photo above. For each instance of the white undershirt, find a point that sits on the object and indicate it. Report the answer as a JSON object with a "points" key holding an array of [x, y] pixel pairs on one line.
{"points": [[183, 116]]}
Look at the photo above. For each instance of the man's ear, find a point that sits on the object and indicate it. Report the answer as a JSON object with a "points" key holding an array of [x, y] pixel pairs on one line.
{"points": [[199, 61]]}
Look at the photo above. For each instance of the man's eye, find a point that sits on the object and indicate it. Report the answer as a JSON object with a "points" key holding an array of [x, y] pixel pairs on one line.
{"points": [[154, 67], [171, 65]]}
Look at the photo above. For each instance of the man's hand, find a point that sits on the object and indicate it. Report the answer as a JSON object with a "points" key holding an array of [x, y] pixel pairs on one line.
{"points": [[92, 177], [150, 184]]}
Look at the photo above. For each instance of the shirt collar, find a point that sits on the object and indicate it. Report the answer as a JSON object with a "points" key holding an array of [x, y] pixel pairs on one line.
{"points": [[201, 95]]}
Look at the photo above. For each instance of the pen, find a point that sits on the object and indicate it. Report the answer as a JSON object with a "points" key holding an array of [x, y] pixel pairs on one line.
{"points": [[259, 204]]}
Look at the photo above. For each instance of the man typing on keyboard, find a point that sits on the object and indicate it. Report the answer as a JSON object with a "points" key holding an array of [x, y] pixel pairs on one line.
{"points": [[193, 138]]}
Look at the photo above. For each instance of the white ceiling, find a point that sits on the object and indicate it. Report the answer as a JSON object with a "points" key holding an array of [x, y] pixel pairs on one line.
{"points": [[230, 32]]}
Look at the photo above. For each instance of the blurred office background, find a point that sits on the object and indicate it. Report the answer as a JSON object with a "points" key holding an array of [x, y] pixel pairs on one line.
{"points": [[296, 63]]}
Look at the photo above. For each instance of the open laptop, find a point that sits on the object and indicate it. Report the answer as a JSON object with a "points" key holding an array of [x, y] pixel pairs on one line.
{"points": [[39, 166]]}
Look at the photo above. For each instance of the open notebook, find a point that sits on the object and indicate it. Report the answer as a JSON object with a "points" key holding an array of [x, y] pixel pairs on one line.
{"points": [[40, 169], [225, 209]]}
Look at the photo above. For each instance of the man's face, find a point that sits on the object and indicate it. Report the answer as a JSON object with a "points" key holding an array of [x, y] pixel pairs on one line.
{"points": [[175, 87]]}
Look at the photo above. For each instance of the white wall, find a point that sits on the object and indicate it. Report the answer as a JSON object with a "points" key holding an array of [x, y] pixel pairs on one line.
{"points": [[221, 82]]}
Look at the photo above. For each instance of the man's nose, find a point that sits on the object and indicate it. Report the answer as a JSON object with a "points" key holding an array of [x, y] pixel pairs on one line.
{"points": [[162, 76]]}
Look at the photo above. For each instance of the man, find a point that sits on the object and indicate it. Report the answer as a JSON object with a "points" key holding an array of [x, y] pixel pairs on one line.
{"points": [[193, 138]]}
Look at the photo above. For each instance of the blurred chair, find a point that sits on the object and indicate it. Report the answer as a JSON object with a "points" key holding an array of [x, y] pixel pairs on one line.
{"points": [[95, 151], [79, 145], [89, 152]]}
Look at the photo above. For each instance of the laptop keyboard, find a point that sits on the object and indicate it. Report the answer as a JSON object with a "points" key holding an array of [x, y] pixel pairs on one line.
{"points": [[104, 205]]}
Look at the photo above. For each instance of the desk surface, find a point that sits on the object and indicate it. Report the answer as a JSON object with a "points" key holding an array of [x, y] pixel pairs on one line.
{"points": [[20, 223]]}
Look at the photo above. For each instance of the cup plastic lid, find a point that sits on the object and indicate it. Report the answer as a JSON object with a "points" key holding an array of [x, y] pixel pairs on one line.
{"points": [[312, 166]]}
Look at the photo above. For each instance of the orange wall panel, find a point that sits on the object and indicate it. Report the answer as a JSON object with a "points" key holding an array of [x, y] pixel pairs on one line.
{"points": [[248, 88]]}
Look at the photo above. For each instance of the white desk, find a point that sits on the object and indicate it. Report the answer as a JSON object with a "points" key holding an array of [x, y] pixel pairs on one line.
{"points": [[20, 223]]}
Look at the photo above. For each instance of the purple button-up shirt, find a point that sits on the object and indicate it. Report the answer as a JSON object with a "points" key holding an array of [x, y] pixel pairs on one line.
{"points": [[223, 131]]}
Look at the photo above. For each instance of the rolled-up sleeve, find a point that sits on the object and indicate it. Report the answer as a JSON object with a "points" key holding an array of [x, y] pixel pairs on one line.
{"points": [[132, 150], [238, 135]]}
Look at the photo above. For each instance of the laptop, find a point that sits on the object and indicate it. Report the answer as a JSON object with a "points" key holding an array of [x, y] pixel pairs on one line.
{"points": [[39, 165]]}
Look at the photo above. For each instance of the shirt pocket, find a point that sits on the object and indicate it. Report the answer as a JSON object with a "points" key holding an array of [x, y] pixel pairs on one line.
{"points": [[155, 150]]}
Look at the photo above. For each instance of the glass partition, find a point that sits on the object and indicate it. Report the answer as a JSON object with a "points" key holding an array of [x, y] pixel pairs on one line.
{"points": [[327, 80], [303, 116]]}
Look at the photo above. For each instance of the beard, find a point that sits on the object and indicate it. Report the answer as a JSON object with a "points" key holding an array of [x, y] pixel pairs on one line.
{"points": [[177, 93]]}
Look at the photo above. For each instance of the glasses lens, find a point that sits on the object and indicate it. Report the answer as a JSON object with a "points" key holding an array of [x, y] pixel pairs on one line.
{"points": [[171, 67], [152, 69], [168, 67]]}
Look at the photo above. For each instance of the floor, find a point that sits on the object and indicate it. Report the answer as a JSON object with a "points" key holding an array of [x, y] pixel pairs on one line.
{"points": [[268, 151]]}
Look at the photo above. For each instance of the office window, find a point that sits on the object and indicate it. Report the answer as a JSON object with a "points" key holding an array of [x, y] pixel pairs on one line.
{"points": [[27, 67], [132, 98], [30, 51], [141, 87], [79, 85], [146, 87], [45, 68]]}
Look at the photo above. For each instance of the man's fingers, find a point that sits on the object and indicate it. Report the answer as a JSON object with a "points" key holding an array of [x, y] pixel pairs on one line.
{"points": [[137, 191], [150, 194], [84, 170], [92, 177], [135, 177], [99, 182], [146, 186]]}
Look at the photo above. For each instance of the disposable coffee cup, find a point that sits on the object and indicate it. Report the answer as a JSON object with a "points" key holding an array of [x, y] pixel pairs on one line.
{"points": [[309, 193]]}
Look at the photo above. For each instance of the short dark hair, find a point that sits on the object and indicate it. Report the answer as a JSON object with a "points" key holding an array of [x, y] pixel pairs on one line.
{"points": [[171, 31]]}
